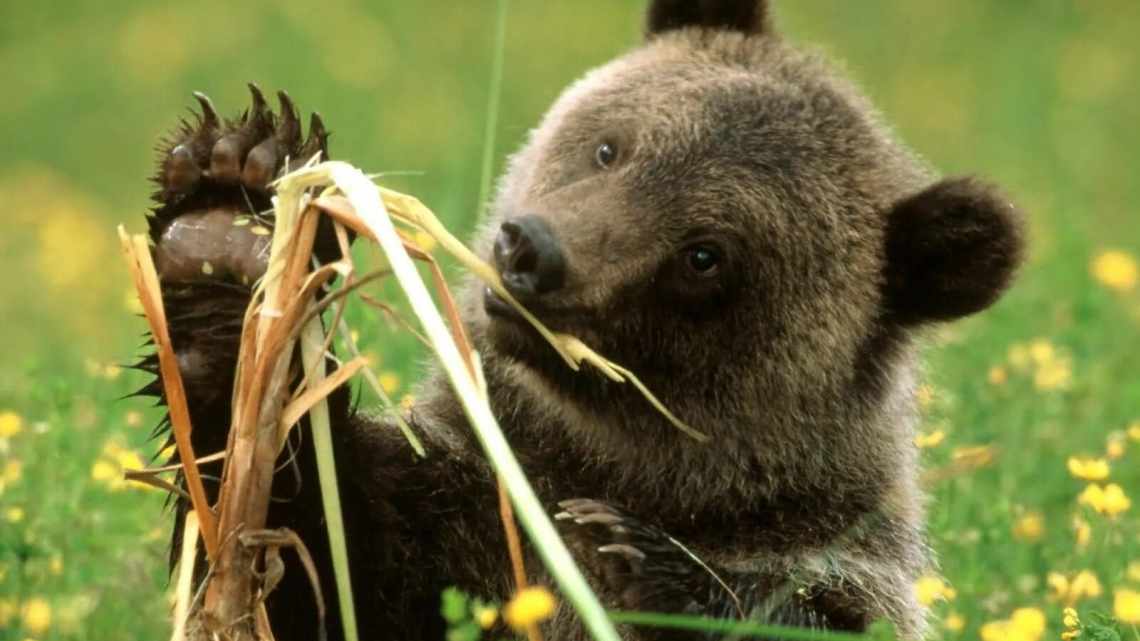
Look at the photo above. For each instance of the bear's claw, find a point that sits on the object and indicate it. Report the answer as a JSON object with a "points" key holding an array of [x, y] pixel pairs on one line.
{"points": [[641, 564], [249, 151], [215, 176]]}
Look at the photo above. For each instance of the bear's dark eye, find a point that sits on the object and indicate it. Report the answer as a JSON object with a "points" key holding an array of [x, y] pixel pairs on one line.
{"points": [[703, 260], [605, 154]]}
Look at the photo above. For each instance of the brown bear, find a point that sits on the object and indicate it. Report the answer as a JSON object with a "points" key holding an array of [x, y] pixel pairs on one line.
{"points": [[717, 210]]}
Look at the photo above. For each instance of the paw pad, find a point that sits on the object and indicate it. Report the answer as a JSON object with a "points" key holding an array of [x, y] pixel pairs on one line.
{"points": [[215, 182]]}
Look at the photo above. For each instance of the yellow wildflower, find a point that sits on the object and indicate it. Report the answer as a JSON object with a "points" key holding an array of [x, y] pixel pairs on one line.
{"points": [[1126, 606], [1115, 501], [1069, 635], [1133, 431], [529, 606], [1133, 571], [954, 622], [929, 588], [14, 514], [103, 471], [929, 440], [1025, 624], [1109, 500], [55, 565], [486, 616], [1053, 375], [997, 375], [1115, 270], [1042, 352], [11, 424], [389, 382], [116, 460], [994, 631], [1030, 527], [129, 460], [1059, 583], [133, 418], [1070, 618], [1029, 623], [36, 615], [1088, 469], [1083, 585]]}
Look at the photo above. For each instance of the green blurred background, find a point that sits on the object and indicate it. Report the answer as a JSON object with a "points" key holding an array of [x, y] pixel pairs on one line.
{"points": [[1038, 95]]}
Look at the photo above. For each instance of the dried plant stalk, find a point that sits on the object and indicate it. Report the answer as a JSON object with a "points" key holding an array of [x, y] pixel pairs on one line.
{"points": [[150, 295], [261, 391], [184, 587]]}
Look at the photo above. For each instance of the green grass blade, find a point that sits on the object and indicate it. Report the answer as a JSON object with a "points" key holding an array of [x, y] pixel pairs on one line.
{"points": [[312, 340], [492, 121], [727, 626]]}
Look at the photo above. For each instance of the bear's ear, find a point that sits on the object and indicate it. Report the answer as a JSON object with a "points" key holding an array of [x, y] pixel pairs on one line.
{"points": [[951, 250], [746, 16]]}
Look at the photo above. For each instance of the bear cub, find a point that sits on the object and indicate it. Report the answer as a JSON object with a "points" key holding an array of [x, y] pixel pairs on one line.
{"points": [[719, 211]]}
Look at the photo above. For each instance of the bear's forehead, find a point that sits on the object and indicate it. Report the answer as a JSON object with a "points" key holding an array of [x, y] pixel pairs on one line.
{"points": [[728, 111], [677, 94]]}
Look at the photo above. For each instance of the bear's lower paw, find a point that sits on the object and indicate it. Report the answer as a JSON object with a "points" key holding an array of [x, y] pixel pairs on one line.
{"points": [[642, 565]]}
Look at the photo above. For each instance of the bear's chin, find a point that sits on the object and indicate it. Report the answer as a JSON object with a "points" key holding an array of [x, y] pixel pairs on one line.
{"points": [[509, 335], [505, 337]]}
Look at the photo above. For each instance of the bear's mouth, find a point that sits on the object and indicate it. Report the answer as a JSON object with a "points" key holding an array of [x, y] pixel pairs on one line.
{"points": [[512, 334], [496, 307]]}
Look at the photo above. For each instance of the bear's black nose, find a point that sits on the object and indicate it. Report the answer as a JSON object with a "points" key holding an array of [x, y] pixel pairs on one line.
{"points": [[528, 257]]}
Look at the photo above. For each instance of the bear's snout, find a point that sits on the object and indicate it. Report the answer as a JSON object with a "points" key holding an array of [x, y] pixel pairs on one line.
{"points": [[529, 257]]}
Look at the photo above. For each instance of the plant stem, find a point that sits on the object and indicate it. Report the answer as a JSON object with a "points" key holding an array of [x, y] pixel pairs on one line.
{"points": [[365, 198], [492, 121], [312, 355]]}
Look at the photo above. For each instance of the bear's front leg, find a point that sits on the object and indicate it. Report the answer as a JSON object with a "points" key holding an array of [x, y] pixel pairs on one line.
{"points": [[408, 521], [648, 570]]}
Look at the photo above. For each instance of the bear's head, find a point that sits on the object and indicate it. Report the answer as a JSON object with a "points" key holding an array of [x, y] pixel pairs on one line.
{"points": [[729, 218]]}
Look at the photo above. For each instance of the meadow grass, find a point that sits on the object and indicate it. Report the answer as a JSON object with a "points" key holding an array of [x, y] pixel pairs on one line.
{"points": [[1038, 96]]}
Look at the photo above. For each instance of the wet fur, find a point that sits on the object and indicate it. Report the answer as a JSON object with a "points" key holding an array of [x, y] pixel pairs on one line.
{"points": [[799, 360]]}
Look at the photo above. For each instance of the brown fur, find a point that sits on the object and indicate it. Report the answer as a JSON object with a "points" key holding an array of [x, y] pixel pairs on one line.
{"points": [[797, 357]]}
